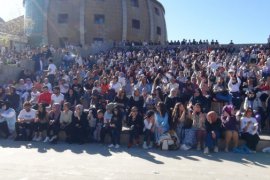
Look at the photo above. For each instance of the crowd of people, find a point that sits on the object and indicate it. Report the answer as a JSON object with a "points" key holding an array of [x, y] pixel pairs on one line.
{"points": [[159, 92]]}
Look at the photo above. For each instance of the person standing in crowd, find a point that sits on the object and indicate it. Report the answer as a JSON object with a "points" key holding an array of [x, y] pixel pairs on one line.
{"points": [[25, 122], [51, 72], [249, 130], [213, 131]]}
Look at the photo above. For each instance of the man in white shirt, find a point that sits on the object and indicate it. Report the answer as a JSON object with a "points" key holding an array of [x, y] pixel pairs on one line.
{"points": [[51, 71], [25, 122], [57, 97], [114, 84]]}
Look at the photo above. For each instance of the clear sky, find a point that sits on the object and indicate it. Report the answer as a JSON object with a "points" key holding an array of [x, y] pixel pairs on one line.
{"points": [[243, 21]]}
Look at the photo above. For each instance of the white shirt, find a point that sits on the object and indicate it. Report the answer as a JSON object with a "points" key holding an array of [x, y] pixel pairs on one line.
{"points": [[244, 121], [27, 116], [34, 97], [57, 99], [117, 86], [52, 69], [147, 125], [234, 87]]}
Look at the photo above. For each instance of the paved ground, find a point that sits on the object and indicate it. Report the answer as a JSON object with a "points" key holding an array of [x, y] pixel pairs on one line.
{"points": [[19, 160]]}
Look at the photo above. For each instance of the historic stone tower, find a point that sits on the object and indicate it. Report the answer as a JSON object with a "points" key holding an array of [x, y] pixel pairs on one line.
{"points": [[87, 21]]}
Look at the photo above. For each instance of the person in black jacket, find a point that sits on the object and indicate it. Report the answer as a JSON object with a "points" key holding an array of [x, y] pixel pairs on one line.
{"points": [[135, 123], [213, 131], [172, 99], [115, 128], [79, 125], [13, 98], [137, 100]]}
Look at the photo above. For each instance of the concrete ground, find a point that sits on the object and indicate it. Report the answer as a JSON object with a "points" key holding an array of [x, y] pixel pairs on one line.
{"points": [[25, 161]]}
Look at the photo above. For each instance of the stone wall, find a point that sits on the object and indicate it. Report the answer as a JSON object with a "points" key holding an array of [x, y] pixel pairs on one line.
{"points": [[11, 71]]}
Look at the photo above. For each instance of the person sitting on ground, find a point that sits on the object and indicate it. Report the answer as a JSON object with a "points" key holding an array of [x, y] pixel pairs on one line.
{"points": [[161, 121], [199, 118], [99, 125], [45, 96], [79, 125], [65, 120], [7, 119], [249, 130], [213, 128], [135, 123], [41, 122], [115, 128], [148, 130], [54, 124], [25, 121], [230, 124]]}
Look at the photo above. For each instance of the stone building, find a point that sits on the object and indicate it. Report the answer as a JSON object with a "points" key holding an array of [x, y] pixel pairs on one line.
{"points": [[87, 21]]}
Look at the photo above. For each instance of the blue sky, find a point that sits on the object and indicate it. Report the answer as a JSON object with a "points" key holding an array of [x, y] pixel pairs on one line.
{"points": [[243, 21]]}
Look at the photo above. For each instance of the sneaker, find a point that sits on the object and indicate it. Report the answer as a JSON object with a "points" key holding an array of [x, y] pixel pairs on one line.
{"points": [[52, 139], [216, 149], [110, 146], [117, 146], [46, 139], [206, 150], [39, 138], [150, 145], [145, 145], [185, 147], [198, 147], [35, 138]]}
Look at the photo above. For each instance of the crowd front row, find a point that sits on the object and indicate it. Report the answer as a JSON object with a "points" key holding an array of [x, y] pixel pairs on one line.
{"points": [[191, 128]]}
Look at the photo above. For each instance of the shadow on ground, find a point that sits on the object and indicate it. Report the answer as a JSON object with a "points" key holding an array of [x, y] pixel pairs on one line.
{"points": [[151, 155]]}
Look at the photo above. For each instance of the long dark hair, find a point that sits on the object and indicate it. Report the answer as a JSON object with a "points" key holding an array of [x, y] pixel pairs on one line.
{"points": [[162, 108], [42, 114]]}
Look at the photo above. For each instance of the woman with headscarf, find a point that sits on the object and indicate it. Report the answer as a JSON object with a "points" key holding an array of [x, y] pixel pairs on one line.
{"points": [[137, 100], [213, 128], [172, 99], [79, 125], [54, 124], [230, 123]]}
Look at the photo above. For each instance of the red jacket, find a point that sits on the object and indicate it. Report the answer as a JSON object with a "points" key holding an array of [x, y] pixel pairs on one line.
{"points": [[45, 98]]}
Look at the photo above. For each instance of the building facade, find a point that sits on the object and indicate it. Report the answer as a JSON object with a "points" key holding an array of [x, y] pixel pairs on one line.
{"points": [[87, 21]]}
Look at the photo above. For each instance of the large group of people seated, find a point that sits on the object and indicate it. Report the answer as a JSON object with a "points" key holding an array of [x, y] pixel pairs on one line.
{"points": [[157, 93]]}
